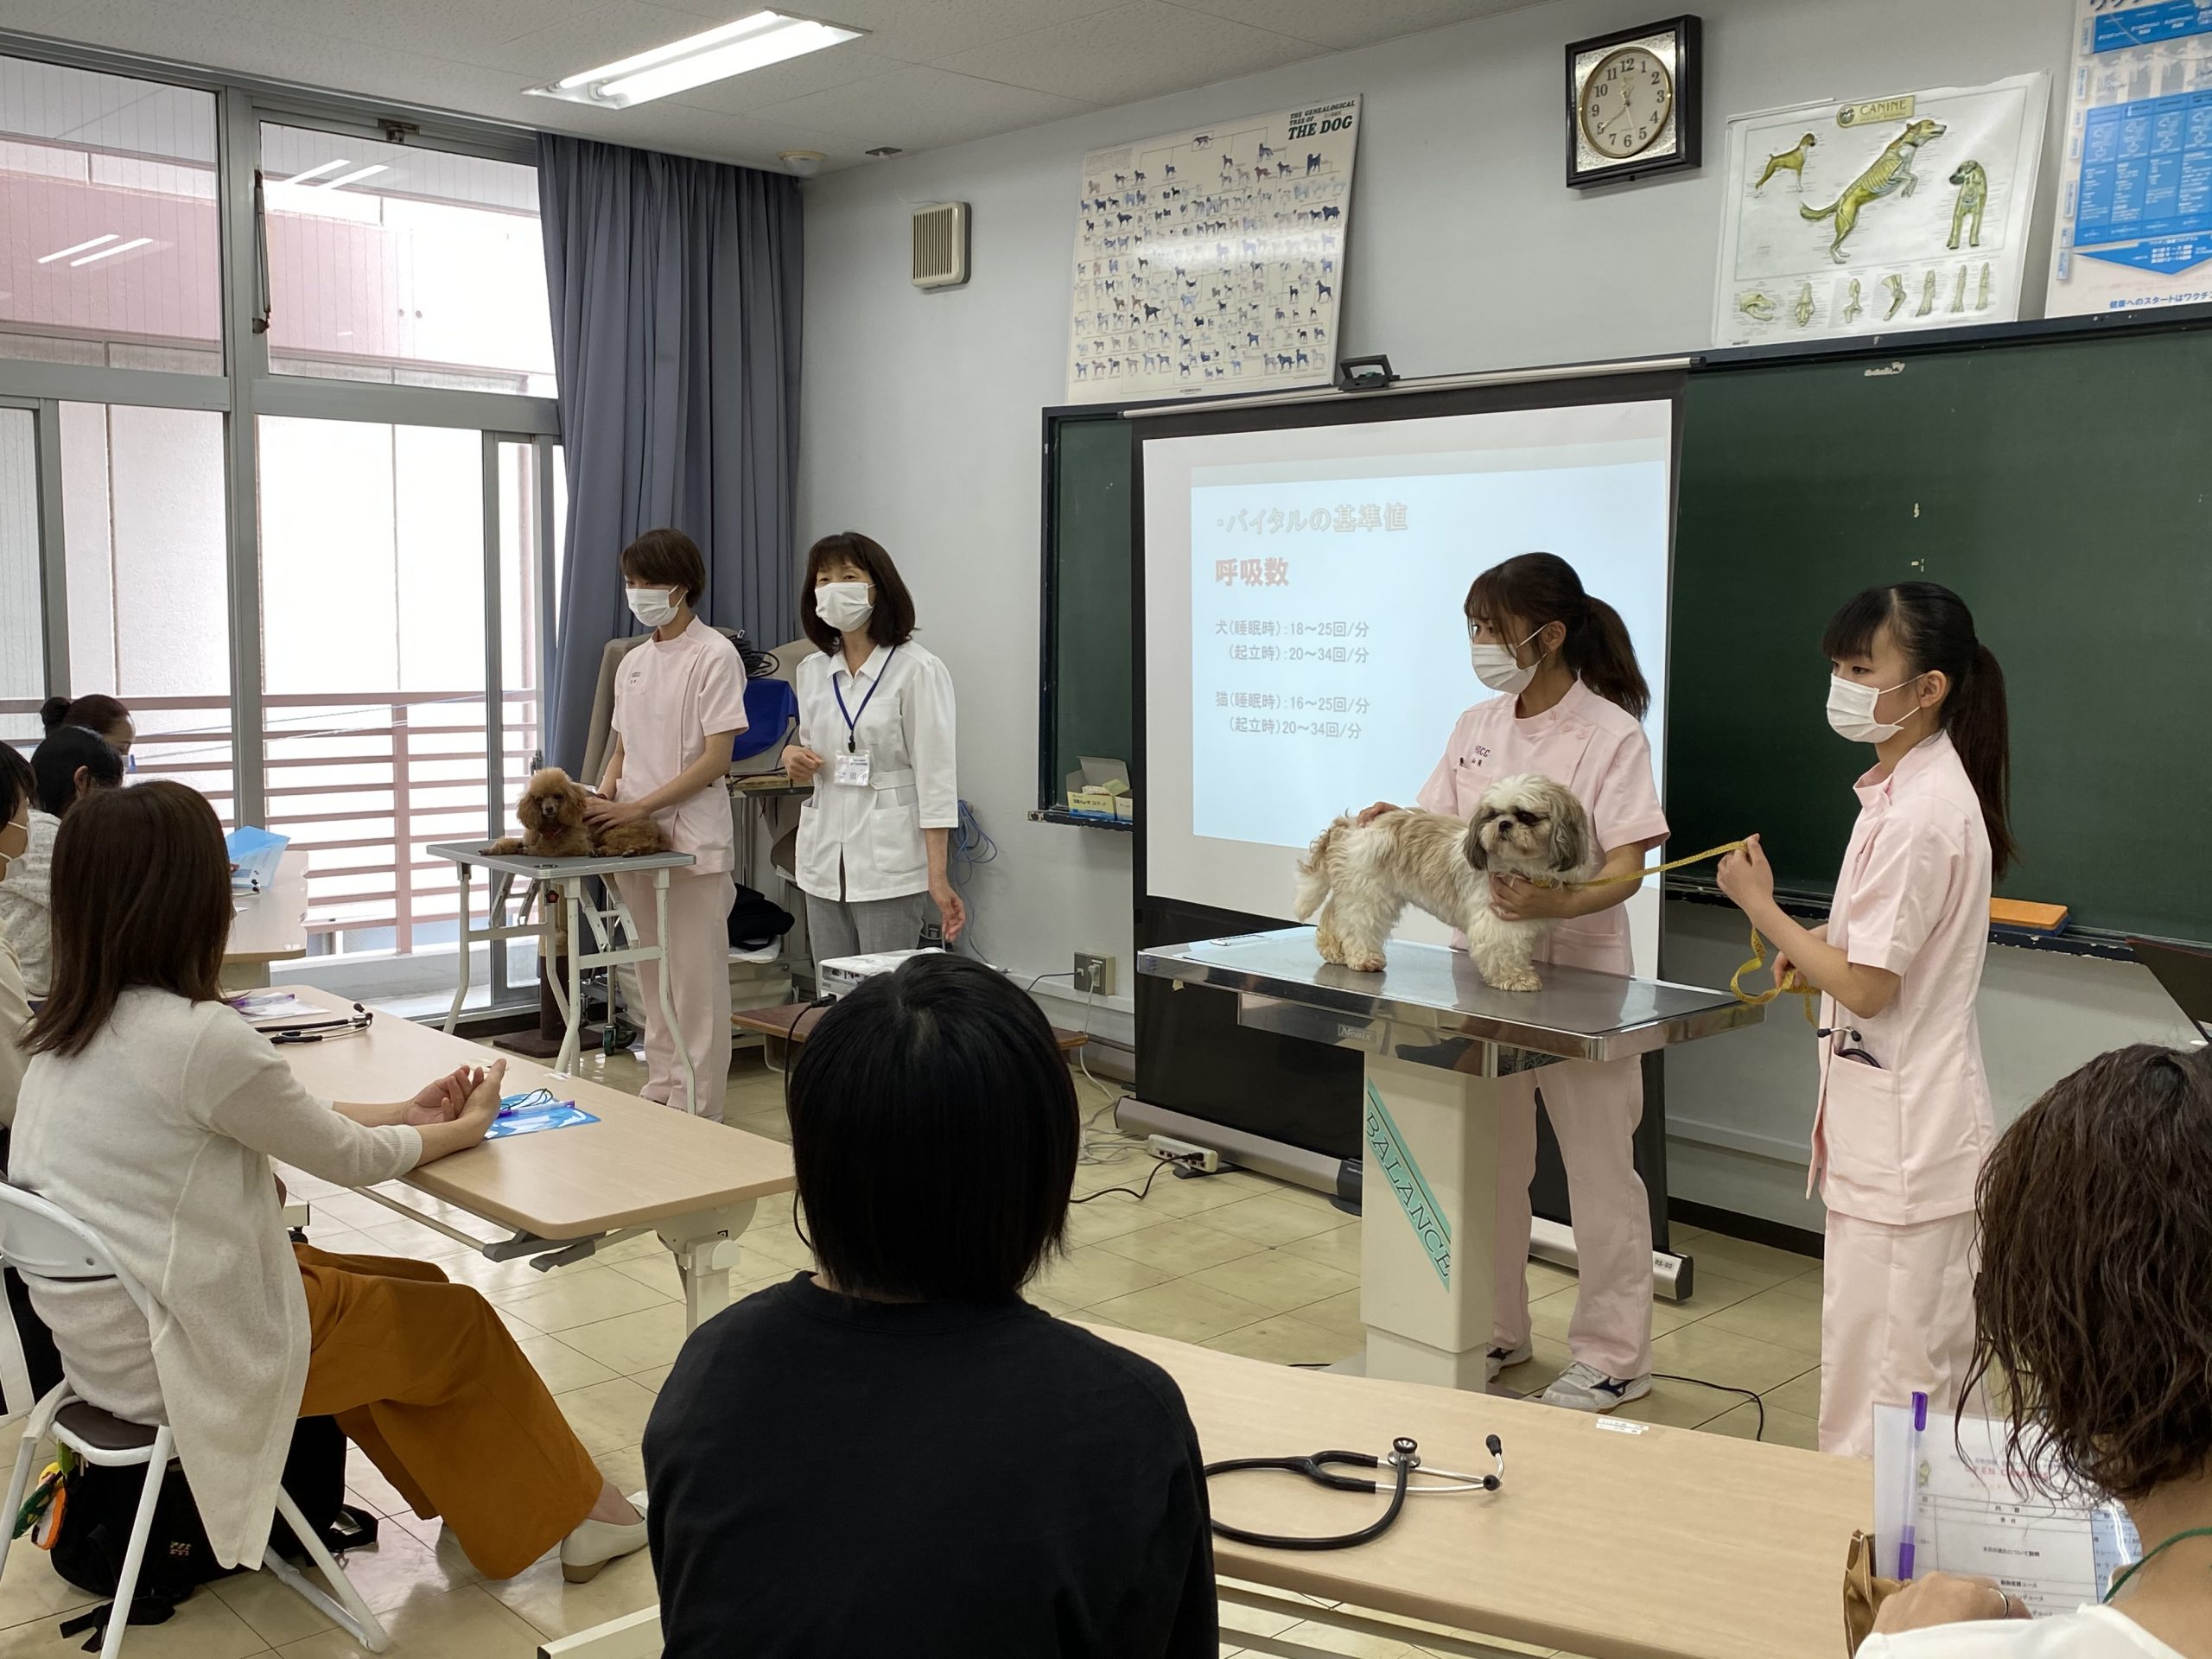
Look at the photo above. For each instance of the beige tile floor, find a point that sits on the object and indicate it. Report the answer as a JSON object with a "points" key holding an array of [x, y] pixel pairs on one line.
{"points": [[1235, 1261]]}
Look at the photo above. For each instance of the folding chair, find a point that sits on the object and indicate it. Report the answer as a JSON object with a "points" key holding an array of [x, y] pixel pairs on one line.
{"points": [[43, 1242]]}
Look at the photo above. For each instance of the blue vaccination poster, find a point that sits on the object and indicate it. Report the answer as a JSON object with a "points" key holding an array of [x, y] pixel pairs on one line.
{"points": [[2135, 201]]}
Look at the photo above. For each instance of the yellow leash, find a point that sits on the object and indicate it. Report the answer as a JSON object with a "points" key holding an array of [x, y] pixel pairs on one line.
{"points": [[1796, 986]]}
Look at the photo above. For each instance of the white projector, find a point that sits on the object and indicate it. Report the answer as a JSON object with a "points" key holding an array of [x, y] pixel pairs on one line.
{"points": [[840, 975]]}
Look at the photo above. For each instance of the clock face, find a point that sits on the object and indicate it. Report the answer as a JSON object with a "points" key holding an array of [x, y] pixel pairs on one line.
{"points": [[1625, 103]]}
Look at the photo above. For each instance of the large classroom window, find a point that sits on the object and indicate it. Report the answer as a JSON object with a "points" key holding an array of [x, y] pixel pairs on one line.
{"points": [[393, 263], [107, 221], [304, 520]]}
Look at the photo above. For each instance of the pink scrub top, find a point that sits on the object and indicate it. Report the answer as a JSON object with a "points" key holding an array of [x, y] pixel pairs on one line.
{"points": [[669, 695], [1902, 1142], [1597, 749]]}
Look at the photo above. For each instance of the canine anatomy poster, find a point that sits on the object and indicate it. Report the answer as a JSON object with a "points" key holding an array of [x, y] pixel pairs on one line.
{"points": [[1211, 260], [2135, 192], [1884, 214]]}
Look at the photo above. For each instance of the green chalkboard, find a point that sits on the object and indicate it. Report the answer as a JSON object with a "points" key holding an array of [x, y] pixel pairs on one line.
{"points": [[1088, 705], [2063, 487]]}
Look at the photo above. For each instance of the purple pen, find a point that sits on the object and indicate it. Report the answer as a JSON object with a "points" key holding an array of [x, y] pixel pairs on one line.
{"points": [[1911, 1484]]}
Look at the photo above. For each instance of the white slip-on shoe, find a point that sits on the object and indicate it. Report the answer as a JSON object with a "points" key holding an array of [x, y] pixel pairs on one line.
{"points": [[594, 1544], [1584, 1387], [1502, 1358]]}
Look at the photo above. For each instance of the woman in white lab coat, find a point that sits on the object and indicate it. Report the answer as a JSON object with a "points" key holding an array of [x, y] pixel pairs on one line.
{"points": [[875, 739]]}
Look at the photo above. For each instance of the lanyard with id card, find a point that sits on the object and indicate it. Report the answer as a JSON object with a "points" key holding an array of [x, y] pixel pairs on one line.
{"points": [[852, 767]]}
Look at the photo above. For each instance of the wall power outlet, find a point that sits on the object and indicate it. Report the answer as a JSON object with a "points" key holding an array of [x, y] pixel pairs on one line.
{"points": [[1094, 976]]}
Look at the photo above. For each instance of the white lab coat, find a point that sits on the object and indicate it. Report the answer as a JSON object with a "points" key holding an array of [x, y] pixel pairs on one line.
{"points": [[863, 841]]}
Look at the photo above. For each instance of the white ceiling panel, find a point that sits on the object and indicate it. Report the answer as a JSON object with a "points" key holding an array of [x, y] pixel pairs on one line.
{"points": [[1129, 53], [1338, 24], [918, 108], [930, 73]]}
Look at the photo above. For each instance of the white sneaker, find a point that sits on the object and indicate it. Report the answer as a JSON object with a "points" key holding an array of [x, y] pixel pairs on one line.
{"points": [[594, 1544], [1502, 1358], [1584, 1387]]}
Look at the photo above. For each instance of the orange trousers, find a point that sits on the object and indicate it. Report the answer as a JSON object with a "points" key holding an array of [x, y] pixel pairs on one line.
{"points": [[422, 1375]]}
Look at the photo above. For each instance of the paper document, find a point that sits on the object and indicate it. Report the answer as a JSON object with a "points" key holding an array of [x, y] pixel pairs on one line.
{"points": [[1973, 1511]]}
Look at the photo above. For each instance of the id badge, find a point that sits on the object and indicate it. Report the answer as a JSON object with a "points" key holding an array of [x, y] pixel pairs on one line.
{"points": [[851, 769]]}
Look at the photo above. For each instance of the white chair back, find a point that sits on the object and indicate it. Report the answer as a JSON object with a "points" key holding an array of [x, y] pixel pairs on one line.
{"points": [[41, 1240]]}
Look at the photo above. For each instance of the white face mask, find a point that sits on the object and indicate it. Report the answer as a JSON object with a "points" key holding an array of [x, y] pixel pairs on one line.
{"points": [[654, 607], [1851, 711], [843, 605], [1495, 667]]}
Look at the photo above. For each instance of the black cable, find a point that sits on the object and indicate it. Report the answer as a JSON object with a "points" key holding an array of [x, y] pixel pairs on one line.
{"points": [[1131, 1190], [1750, 1395]]}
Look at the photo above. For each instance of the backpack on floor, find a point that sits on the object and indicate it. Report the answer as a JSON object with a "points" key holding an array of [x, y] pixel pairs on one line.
{"points": [[98, 1505]]}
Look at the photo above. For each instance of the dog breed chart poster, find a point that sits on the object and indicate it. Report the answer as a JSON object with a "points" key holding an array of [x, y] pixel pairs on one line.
{"points": [[1884, 214], [2135, 202], [1211, 260]]}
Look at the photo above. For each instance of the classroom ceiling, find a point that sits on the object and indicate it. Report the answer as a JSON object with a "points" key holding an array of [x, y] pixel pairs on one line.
{"points": [[932, 72]]}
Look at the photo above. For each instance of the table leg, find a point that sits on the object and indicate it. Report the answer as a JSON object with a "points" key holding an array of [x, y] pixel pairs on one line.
{"points": [[1428, 1236], [668, 1000], [460, 977], [572, 899], [705, 1247]]}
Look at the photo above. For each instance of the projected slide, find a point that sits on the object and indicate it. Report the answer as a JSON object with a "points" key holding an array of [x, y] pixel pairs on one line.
{"points": [[1305, 646]]}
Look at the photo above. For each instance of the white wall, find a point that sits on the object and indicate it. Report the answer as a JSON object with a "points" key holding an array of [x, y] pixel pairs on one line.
{"points": [[922, 411]]}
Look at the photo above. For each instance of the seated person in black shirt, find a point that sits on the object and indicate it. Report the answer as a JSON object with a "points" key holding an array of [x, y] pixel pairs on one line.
{"points": [[896, 1455]]}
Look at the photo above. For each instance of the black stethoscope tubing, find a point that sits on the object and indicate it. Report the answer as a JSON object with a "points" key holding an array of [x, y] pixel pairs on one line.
{"points": [[1401, 1462]]}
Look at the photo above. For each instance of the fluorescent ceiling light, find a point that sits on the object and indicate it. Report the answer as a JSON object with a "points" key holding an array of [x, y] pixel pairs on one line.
{"points": [[107, 253], [315, 172], [63, 253], [356, 177], [751, 42]]}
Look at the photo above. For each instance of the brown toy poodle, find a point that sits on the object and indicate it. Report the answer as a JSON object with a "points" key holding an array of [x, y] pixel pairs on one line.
{"points": [[551, 813]]}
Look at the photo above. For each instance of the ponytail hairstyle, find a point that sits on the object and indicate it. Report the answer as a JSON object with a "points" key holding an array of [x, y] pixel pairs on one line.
{"points": [[1533, 590], [1934, 629]]}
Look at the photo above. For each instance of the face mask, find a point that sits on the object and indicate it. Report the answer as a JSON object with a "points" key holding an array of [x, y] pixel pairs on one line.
{"points": [[654, 607], [1496, 668], [843, 605], [1851, 711]]}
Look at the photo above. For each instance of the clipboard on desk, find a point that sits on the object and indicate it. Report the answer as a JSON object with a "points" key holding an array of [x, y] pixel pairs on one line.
{"points": [[2185, 974], [1972, 1510]]}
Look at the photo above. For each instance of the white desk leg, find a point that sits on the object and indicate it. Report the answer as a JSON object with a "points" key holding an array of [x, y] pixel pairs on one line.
{"points": [[705, 1248], [460, 978], [668, 999], [1428, 1196], [572, 901]]}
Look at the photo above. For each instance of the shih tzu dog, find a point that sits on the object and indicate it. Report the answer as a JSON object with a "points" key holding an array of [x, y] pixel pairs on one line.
{"points": [[1359, 880]]}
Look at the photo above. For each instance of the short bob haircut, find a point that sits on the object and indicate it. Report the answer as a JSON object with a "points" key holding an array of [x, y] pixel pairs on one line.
{"points": [[893, 622], [68, 751], [667, 558], [934, 1129], [142, 896], [2094, 1302]]}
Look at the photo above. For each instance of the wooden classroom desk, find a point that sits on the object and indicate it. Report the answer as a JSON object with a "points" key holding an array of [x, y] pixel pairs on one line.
{"points": [[1609, 1539], [268, 927], [641, 1166]]}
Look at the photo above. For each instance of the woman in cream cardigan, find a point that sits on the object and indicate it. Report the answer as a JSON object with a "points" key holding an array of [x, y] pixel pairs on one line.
{"points": [[151, 1112]]}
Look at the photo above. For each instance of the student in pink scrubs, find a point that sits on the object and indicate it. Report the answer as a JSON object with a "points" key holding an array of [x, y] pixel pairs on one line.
{"points": [[679, 702], [1570, 708], [1904, 1118]]}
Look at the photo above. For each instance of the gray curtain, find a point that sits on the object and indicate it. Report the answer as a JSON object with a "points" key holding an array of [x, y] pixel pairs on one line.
{"points": [[675, 288]]}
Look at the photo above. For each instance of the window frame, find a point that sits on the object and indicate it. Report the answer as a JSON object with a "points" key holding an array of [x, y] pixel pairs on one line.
{"points": [[246, 391]]}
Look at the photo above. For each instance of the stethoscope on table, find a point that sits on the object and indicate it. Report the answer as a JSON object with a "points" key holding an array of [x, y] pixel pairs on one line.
{"points": [[1402, 1460]]}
